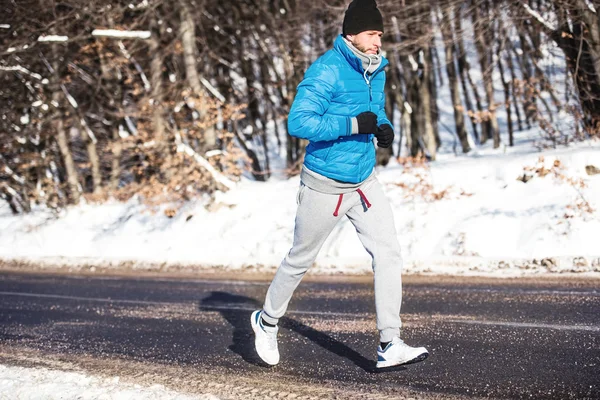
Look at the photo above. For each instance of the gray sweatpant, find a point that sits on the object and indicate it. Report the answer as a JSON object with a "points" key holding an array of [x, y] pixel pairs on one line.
{"points": [[376, 231]]}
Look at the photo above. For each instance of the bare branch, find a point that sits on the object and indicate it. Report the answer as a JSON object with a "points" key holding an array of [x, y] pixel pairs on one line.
{"points": [[539, 18], [220, 178], [114, 33], [21, 69]]}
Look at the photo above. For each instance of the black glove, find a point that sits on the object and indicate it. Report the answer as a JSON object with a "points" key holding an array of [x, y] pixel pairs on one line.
{"points": [[367, 122], [385, 136]]}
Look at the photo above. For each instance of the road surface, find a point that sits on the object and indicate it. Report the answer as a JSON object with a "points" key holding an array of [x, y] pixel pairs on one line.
{"points": [[487, 338]]}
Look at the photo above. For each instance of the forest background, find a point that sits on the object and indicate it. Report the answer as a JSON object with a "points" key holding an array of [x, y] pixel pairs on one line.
{"points": [[173, 100]]}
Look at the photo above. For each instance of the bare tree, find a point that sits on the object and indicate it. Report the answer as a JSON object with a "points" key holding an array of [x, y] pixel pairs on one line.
{"points": [[482, 16], [446, 28], [578, 36]]}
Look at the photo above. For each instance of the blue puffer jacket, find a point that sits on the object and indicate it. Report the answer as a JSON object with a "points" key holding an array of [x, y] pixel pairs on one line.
{"points": [[332, 92]]}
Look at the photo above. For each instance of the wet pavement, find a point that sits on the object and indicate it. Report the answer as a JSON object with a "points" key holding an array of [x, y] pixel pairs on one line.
{"points": [[487, 338]]}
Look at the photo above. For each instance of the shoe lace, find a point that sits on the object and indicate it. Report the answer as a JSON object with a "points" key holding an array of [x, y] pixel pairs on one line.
{"points": [[401, 344], [396, 342]]}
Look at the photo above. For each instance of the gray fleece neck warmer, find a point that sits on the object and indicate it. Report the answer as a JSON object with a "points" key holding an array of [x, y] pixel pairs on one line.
{"points": [[370, 62]]}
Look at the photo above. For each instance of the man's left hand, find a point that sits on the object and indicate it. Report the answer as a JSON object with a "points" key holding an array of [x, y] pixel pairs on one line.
{"points": [[385, 136]]}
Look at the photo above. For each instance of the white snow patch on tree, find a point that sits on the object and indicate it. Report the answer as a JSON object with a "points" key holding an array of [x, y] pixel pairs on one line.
{"points": [[537, 16], [70, 98], [212, 89], [114, 33], [53, 38], [21, 69], [590, 6]]}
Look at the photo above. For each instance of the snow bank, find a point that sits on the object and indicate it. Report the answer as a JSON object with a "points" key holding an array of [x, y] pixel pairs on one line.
{"points": [[40, 383], [473, 217]]}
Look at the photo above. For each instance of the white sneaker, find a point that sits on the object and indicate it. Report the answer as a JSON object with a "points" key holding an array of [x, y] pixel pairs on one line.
{"points": [[398, 353], [265, 340]]}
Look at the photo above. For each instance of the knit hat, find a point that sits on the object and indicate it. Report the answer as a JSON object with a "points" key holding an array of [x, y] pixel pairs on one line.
{"points": [[362, 15]]}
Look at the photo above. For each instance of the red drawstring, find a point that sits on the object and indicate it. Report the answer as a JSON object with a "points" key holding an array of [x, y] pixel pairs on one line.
{"points": [[362, 196], [337, 208], [339, 203]]}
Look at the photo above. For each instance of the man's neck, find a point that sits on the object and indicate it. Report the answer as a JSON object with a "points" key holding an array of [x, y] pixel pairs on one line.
{"points": [[370, 62]]}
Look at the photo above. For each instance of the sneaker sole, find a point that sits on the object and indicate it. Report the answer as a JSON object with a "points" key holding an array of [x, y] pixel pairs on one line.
{"points": [[255, 328], [386, 364]]}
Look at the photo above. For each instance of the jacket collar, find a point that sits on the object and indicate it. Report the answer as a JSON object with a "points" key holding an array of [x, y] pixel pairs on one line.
{"points": [[356, 63]]}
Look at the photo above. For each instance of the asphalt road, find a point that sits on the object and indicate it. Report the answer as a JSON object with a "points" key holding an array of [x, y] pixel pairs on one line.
{"points": [[486, 338]]}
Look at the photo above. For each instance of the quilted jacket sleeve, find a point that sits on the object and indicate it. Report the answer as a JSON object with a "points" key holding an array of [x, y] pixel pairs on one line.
{"points": [[382, 118], [308, 118]]}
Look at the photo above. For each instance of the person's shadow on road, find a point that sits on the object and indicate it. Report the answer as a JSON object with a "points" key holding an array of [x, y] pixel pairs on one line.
{"points": [[236, 310]]}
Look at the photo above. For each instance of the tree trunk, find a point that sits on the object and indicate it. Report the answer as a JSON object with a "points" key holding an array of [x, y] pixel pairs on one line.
{"points": [[61, 133], [156, 78], [434, 95], [394, 76], [513, 78], [464, 69], [405, 128], [529, 99], [506, 86], [109, 75], [90, 144], [415, 127], [424, 111], [539, 79], [187, 31], [267, 106], [481, 41], [92, 150], [425, 108], [459, 119], [117, 150]]}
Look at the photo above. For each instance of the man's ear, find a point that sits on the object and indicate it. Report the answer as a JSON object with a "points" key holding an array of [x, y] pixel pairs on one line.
{"points": [[350, 38]]}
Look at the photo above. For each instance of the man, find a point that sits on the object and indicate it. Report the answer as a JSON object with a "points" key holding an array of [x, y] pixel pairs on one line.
{"points": [[339, 108]]}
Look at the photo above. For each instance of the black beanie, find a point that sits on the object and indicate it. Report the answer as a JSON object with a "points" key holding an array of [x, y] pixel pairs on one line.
{"points": [[362, 15]]}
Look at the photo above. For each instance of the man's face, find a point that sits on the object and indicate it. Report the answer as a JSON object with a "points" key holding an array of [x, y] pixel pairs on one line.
{"points": [[368, 42]]}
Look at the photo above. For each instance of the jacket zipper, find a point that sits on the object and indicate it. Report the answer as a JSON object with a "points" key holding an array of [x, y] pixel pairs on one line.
{"points": [[370, 94]]}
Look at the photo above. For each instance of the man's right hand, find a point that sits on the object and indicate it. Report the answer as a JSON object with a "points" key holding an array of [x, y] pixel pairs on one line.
{"points": [[367, 122]]}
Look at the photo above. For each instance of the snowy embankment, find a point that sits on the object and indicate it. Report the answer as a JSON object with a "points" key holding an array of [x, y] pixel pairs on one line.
{"points": [[41, 383], [493, 212]]}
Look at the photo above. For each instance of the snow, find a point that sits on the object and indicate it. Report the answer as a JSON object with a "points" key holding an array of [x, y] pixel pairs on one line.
{"points": [[537, 16], [70, 98], [41, 383], [53, 38], [20, 69], [488, 222], [212, 89], [114, 33], [590, 6]]}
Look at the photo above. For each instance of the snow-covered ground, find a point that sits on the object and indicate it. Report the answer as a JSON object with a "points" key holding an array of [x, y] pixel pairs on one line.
{"points": [[468, 215], [41, 383]]}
